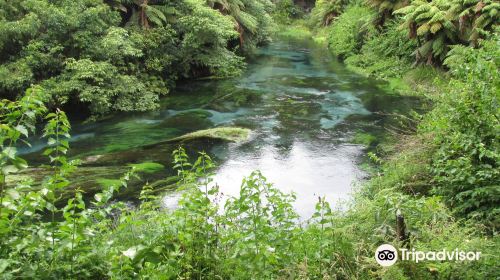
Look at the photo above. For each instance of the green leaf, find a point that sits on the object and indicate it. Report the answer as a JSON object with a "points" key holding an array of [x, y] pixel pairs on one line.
{"points": [[9, 169], [10, 152], [4, 264], [22, 129], [13, 194]]}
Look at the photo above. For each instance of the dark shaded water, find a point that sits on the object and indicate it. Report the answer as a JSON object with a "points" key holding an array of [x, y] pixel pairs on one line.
{"points": [[304, 109]]}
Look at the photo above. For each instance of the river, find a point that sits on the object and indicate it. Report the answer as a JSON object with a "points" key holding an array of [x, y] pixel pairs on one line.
{"points": [[305, 110]]}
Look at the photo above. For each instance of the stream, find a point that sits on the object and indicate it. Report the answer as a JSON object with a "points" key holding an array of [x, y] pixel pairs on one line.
{"points": [[305, 110]]}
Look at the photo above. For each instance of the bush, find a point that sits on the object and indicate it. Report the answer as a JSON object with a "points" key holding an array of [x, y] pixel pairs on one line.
{"points": [[347, 33], [383, 54], [123, 55], [286, 11], [467, 163], [257, 236]]}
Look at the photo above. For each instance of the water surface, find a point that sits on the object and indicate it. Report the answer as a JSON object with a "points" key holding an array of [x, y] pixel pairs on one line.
{"points": [[303, 107]]}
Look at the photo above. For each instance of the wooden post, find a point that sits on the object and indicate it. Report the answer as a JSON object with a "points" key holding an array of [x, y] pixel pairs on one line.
{"points": [[401, 228]]}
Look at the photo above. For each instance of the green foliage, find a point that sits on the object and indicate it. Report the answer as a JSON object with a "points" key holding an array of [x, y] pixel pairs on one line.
{"points": [[297, 30], [385, 8], [455, 152], [144, 13], [430, 22], [464, 123], [365, 139], [475, 17], [32, 247], [109, 59], [101, 85], [347, 33], [430, 224], [251, 19], [391, 42], [18, 120], [202, 26], [466, 163], [255, 235], [459, 57], [439, 24], [326, 11], [433, 27], [286, 11], [123, 55], [39, 237], [383, 54]]}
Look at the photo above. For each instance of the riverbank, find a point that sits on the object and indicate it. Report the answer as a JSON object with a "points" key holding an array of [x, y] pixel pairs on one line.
{"points": [[447, 89], [422, 82], [404, 175]]}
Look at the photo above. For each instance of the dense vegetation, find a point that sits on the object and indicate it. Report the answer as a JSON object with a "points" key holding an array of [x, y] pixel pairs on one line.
{"points": [[123, 55], [442, 173], [464, 124]]}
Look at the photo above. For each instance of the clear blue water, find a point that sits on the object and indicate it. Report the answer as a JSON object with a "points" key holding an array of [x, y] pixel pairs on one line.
{"points": [[303, 107]]}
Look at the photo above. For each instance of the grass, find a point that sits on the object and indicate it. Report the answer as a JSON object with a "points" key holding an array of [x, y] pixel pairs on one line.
{"points": [[364, 139], [297, 30]]}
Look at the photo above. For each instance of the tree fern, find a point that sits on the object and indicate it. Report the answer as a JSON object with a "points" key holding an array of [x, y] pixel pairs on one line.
{"points": [[248, 15], [429, 23], [438, 24], [385, 8], [474, 17], [144, 12], [326, 11]]}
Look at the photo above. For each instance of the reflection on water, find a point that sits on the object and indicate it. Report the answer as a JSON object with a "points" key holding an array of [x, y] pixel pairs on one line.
{"points": [[306, 170], [302, 105]]}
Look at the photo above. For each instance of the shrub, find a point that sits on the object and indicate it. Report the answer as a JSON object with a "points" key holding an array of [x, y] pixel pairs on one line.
{"points": [[466, 165], [123, 55], [257, 236], [286, 11], [347, 33]]}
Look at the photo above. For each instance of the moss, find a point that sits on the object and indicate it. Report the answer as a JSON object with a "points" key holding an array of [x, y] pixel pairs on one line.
{"points": [[148, 167], [231, 134]]}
